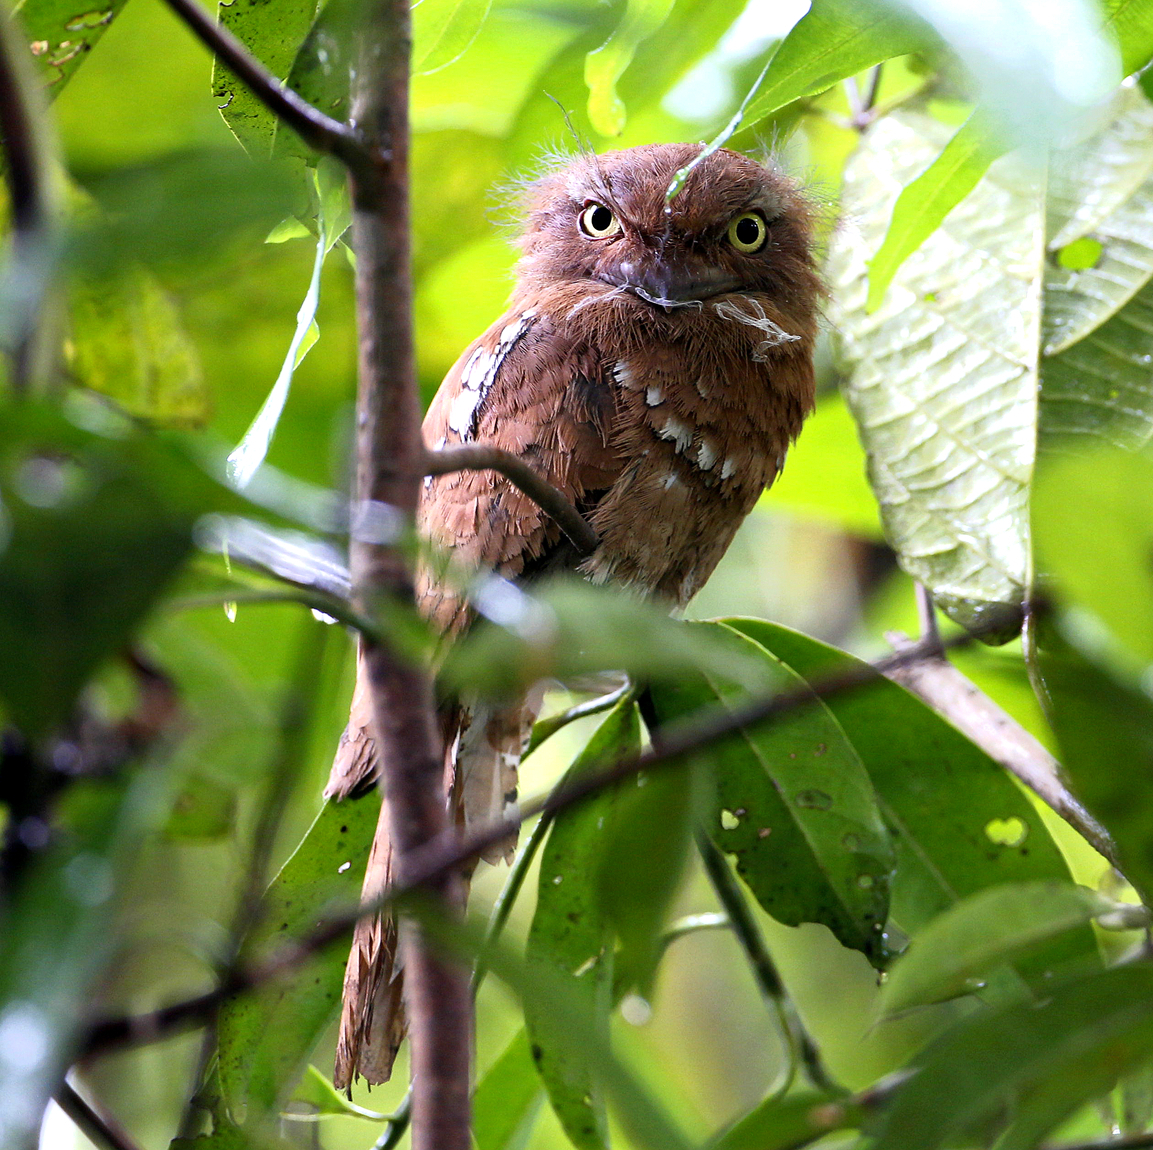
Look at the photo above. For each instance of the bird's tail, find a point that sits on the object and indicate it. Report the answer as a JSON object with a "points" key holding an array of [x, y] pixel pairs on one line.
{"points": [[483, 744]]}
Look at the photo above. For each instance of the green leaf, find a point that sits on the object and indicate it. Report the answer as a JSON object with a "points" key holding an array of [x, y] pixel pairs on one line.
{"points": [[443, 30], [942, 377], [1103, 719], [273, 32], [793, 803], [605, 65], [506, 1099], [835, 39], [983, 932], [571, 936], [94, 521], [315, 1089], [1043, 1059], [785, 1123], [1093, 531], [61, 37], [265, 1038], [1130, 23], [128, 341], [925, 202], [940, 795], [203, 810]]}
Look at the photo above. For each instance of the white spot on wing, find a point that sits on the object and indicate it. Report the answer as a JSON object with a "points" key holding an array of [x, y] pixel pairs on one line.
{"points": [[623, 374], [703, 391], [728, 468], [678, 431], [654, 395], [479, 374], [670, 480], [706, 455]]}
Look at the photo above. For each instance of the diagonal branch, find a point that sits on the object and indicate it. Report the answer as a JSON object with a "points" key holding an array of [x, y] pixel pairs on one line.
{"points": [[100, 1129], [480, 457], [450, 850], [316, 129]]}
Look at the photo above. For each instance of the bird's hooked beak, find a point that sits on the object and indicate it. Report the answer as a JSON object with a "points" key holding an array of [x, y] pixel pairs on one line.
{"points": [[670, 288]]}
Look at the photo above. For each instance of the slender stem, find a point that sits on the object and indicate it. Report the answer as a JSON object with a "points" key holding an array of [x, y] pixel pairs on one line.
{"points": [[390, 457], [694, 924], [798, 1042], [451, 850], [927, 615], [96, 1127], [397, 1125], [870, 98], [480, 457], [312, 125], [545, 728], [28, 195]]}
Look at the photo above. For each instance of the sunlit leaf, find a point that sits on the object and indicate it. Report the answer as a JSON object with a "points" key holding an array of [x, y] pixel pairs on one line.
{"points": [[443, 30], [964, 945], [605, 65], [506, 1099], [571, 936], [61, 34], [315, 1089], [943, 798], [942, 377], [1043, 1059], [793, 804], [1130, 23], [128, 341], [926, 201], [265, 1037]]}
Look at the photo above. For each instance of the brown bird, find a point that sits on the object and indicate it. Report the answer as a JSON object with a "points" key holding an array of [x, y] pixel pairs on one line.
{"points": [[654, 364]]}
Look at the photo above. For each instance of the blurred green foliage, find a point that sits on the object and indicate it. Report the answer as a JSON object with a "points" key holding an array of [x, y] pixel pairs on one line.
{"points": [[984, 423]]}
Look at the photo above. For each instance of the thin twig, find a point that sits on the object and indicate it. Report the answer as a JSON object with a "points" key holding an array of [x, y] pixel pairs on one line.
{"points": [[939, 684], [798, 1041], [545, 728], [480, 457], [28, 198], [452, 850], [96, 1127], [927, 615], [316, 129], [1132, 1142]]}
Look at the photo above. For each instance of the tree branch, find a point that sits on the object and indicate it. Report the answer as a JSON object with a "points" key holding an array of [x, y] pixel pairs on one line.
{"points": [[939, 684], [450, 850], [316, 129], [479, 457], [390, 456], [96, 1127]]}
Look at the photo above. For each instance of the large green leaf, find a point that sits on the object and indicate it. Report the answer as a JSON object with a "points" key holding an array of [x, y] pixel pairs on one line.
{"points": [[61, 37], [968, 942], [785, 1123], [95, 519], [506, 1099], [1042, 1061], [793, 803], [265, 1037], [942, 377], [571, 937], [1130, 22], [443, 30], [942, 797]]}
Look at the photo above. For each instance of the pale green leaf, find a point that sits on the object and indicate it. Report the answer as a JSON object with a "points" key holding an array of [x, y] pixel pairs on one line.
{"points": [[315, 1089], [443, 30], [784, 1123], [506, 1099], [1130, 23], [926, 201], [971, 940], [605, 65]]}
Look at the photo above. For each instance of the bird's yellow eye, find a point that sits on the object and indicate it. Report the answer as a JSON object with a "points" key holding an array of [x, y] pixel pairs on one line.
{"points": [[599, 222], [747, 233]]}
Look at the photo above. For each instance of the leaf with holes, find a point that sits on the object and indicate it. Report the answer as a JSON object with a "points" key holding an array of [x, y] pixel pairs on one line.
{"points": [[61, 34], [793, 803]]}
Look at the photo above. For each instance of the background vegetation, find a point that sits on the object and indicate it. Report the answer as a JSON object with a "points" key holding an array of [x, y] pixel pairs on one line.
{"points": [[986, 405]]}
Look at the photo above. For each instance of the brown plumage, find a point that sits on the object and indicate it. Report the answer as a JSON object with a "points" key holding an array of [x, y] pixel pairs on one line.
{"points": [[654, 364]]}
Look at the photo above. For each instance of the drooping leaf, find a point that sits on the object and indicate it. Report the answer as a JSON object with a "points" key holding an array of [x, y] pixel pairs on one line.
{"points": [[95, 519], [784, 1123], [61, 35], [1043, 1059], [571, 936], [273, 33], [925, 202], [507, 1098], [980, 934], [942, 377], [265, 1038], [943, 798], [605, 65], [315, 1089], [128, 342], [793, 803]]}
